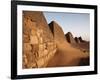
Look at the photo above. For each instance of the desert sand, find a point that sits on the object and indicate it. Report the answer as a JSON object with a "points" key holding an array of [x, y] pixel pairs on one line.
{"points": [[67, 56]]}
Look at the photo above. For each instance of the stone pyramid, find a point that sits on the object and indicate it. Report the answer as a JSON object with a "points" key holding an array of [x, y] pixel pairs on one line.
{"points": [[38, 43], [77, 40], [57, 32], [70, 38], [40, 21]]}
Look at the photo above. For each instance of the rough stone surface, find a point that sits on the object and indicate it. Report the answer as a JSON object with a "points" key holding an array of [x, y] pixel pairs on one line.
{"points": [[38, 43], [38, 20], [57, 32]]}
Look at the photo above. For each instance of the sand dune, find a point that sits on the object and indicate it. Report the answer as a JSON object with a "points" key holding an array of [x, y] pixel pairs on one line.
{"points": [[67, 56]]}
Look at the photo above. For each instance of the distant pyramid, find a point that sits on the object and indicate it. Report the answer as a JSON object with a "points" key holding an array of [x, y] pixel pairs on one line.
{"points": [[70, 38], [57, 32], [81, 40], [77, 40]]}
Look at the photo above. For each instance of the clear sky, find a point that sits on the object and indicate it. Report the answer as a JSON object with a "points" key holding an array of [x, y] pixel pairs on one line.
{"points": [[76, 23]]}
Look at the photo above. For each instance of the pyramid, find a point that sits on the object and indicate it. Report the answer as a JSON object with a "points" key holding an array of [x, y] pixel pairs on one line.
{"points": [[70, 38], [81, 40], [77, 40], [57, 32], [82, 44], [38, 42], [41, 23]]}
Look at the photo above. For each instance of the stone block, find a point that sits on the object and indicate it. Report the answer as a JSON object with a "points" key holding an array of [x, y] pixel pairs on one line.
{"points": [[26, 30], [27, 47], [36, 55], [30, 59], [33, 32], [42, 53], [40, 40], [41, 47], [39, 32], [50, 43], [45, 52], [40, 62], [33, 25], [26, 38], [47, 57], [33, 40], [35, 48], [25, 61], [34, 65]]}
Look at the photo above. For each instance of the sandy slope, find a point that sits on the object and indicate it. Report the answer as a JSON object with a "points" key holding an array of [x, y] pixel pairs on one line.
{"points": [[67, 56]]}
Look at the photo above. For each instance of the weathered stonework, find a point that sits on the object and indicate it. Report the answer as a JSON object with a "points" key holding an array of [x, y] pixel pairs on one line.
{"points": [[57, 32], [38, 44]]}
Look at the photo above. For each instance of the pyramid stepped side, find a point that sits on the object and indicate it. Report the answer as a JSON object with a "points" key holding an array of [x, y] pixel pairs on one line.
{"points": [[70, 38], [57, 32], [38, 43], [38, 17], [77, 40]]}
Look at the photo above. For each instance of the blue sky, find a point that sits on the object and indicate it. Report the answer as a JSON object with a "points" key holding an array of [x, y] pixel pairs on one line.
{"points": [[76, 23]]}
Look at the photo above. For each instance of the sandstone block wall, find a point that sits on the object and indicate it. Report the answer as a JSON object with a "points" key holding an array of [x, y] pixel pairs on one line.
{"points": [[38, 47]]}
